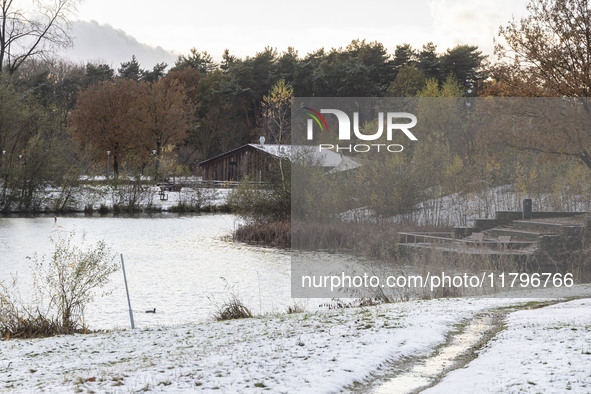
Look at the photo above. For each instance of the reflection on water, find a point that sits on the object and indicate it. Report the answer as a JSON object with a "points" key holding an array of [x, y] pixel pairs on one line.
{"points": [[178, 265]]}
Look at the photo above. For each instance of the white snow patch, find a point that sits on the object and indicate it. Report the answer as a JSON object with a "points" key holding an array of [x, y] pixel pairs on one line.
{"points": [[316, 352], [463, 209], [542, 350]]}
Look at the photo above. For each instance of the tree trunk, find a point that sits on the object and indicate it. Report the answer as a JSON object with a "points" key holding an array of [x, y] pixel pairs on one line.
{"points": [[115, 165], [156, 161]]}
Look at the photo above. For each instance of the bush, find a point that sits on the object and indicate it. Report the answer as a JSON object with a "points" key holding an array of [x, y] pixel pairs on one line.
{"points": [[261, 204], [232, 309], [266, 211], [67, 282], [130, 193], [71, 277]]}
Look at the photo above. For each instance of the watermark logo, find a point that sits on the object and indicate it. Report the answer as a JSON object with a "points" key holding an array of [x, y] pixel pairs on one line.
{"points": [[391, 122], [318, 118]]}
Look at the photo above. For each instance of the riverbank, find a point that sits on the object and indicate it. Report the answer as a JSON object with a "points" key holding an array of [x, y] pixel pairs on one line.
{"points": [[124, 197], [323, 351]]}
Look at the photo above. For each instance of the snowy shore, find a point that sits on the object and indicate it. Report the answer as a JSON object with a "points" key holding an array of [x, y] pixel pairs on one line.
{"points": [[323, 351], [99, 195]]}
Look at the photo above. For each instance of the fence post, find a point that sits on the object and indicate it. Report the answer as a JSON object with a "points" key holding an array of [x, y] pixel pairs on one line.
{"points": [[127, 291]]}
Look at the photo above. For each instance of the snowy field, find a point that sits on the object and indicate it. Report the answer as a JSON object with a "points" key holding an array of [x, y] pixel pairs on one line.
{"points": [[463, 209], [319, 352], [541, 350]]}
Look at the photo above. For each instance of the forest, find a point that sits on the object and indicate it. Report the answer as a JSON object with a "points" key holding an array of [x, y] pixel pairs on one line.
{"points": [[60, 120]]}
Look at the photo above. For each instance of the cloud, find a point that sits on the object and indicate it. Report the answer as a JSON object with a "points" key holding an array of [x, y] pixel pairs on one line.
{"points": [[447, 23], [473, 22], [104, 43]]}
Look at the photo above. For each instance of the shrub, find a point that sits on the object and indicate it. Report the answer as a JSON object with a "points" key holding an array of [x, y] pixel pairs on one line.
{"points": [[232, 309], [72, 275], [261, 204], [68, 281]]}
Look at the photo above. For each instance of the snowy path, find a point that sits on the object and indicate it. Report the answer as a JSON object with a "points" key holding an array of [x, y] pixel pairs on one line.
{"points": [[541, 350], [307, 352], [415, 374], [318, 352]]}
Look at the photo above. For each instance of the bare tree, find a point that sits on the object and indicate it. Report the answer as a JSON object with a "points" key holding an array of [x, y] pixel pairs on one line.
{"points": [[553, 44], [550, 50], [34, 31]]}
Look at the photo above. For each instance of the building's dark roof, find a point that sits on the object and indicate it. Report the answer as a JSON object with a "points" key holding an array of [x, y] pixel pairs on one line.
{"points": [[223, 154], [326, 158]]}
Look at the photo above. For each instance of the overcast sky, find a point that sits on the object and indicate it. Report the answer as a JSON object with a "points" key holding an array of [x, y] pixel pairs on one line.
{"points": [[157, 31]]}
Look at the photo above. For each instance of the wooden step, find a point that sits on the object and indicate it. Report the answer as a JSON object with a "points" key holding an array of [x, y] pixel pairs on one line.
{"points": [[540, 225], [518, 234]]}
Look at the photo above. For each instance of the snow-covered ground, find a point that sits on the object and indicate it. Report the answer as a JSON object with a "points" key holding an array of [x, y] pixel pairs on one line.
{"points": [[149, 197], [463, 209], [450, 210], [542, 350], [323, 351]]}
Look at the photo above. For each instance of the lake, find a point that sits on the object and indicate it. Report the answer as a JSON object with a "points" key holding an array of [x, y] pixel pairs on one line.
{"points": [[181, 265]]}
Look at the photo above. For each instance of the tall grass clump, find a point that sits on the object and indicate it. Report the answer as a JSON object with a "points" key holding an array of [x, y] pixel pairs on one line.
{"points": [[18, 321], [272, 234], [232, 309], [230, 306]]}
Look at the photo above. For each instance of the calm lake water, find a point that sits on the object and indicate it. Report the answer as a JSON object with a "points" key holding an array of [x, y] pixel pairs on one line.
{"points": [[182, 266]]}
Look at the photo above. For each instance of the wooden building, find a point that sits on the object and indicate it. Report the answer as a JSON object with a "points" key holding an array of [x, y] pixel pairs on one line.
{"points": [[260, 162], [248, 160]]}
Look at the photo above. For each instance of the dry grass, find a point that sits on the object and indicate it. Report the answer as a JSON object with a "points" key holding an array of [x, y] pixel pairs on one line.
{"points": [[232, 309], [21, 322], [377, 241], [372, 240], [297, 307], [34, 326], [276, 234], [337, 303]]}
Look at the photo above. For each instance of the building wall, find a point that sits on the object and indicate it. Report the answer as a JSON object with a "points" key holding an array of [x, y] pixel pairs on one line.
{"points": [[234, 166]]}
